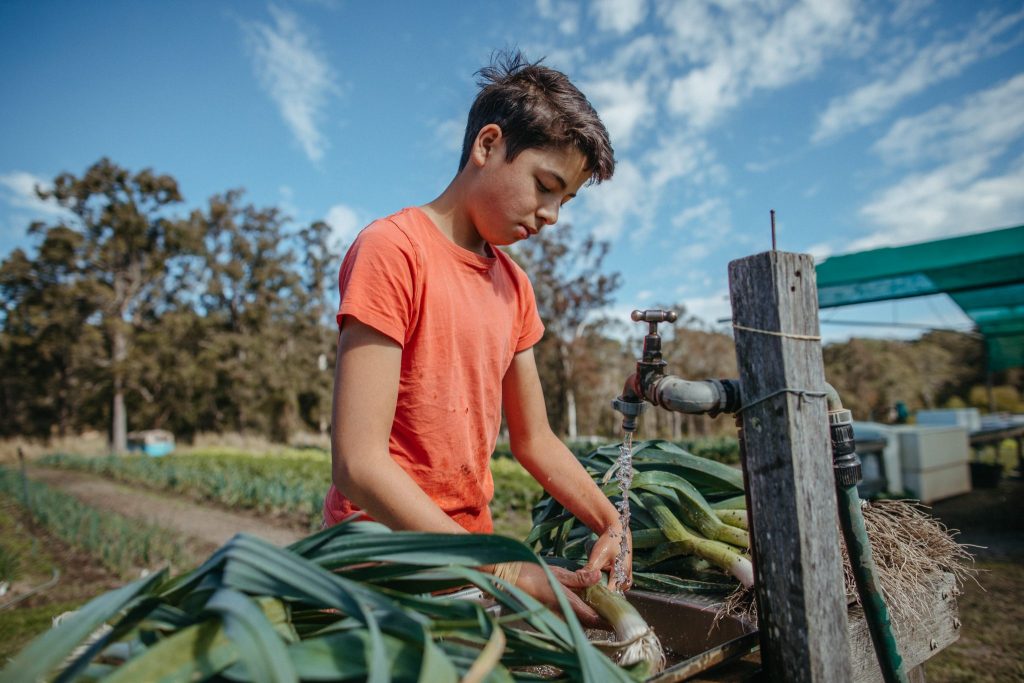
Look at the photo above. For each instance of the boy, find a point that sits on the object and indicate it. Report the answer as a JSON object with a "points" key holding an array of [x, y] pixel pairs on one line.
{"points": [[437, 327]]}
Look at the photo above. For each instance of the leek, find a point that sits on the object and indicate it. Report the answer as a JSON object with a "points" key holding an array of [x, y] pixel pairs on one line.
{"points": [[719, 554], [736, 518], [637, 641]]}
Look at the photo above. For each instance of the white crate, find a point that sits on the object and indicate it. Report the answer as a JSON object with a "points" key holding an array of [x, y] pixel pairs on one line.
{"points": [[924, 448], [938, 483]]}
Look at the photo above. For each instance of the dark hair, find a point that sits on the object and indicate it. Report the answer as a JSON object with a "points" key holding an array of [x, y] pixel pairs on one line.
{"points": [[537, 107]]}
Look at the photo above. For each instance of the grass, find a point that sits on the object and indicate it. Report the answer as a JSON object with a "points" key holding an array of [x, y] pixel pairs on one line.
{"points": [[121, 544], [515, 492], [38, 554], [289, 482]]}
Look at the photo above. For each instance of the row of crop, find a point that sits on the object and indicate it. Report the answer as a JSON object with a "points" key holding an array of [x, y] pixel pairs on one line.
{"points": [[288, 486], [120, 543], [724, 449], [293, 484]]}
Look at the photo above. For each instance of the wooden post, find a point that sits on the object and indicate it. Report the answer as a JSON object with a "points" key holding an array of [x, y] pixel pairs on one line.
{"points": [[788, 468]]}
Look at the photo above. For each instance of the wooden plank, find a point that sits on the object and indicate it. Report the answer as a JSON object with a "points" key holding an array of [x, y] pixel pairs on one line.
{"points": [[788, 468], [919, 638]]}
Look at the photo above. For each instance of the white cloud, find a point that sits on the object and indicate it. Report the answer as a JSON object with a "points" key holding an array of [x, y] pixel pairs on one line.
{"points": [[929, 65], [985, 121], [564, 13], [739, 48], [623, 106], [344, 221], [296, 75], [820, 251], [906, 10], [710, 309], [969, 191], [700, 213], [19, 192], [620, 16], [607, 206], [960, 197], [449, 134], [680, 155], [703, 94]]}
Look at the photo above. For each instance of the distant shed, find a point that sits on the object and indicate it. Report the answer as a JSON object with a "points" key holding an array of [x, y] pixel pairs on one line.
{"points": [[153, 442]]}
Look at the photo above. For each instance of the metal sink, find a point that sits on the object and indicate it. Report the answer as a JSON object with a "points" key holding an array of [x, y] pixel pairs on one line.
{"points": [[686, 624]]}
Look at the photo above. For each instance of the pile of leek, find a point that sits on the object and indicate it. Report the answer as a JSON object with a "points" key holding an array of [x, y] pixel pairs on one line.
{"points": [[353, 602], [684, 518]]}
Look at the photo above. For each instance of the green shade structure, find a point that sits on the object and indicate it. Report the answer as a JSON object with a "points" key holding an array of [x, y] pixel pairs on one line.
{"points": [[982, 272]]}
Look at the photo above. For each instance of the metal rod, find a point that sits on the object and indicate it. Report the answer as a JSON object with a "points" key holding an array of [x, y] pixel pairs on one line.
{"points": [[773, 229], [872, 323]]}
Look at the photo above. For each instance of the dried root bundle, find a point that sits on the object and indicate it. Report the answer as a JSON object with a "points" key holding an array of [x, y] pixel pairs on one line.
{"points": [[909, 547]]}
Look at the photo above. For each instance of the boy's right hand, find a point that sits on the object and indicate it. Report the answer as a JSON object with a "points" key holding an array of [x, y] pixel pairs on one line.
{"points": [[606, 550]]}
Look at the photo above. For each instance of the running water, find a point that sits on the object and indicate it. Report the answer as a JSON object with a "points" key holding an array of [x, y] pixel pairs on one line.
{"points": [[624, 474]]}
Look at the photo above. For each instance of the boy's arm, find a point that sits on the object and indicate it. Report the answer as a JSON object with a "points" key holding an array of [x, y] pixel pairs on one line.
{"points": [[365, 394], [366, 381], [544, 456]]}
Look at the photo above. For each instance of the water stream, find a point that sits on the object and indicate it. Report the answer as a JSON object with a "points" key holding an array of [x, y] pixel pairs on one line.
{"points": [[624, 474]]}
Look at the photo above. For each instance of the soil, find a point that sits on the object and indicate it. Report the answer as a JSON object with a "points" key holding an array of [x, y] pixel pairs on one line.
{"points": [[992, 610]]}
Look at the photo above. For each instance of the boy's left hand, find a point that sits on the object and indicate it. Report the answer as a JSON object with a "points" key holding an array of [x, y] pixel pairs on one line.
{"points": [[532, 580]]}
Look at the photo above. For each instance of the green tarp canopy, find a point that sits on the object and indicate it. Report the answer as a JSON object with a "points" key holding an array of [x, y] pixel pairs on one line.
{"points": [[983, 273]]}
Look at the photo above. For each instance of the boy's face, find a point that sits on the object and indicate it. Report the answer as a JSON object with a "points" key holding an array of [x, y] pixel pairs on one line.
{"points": [[512, 200]]}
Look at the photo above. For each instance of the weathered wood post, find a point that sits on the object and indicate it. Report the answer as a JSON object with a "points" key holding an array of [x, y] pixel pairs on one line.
{"points": [[788, 468]]}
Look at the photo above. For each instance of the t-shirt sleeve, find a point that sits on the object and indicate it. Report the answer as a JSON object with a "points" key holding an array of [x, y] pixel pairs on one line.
{"points": [[532, 329], [377, 281]]}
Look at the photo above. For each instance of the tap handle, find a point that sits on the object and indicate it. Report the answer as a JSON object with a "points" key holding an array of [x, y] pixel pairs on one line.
{"points": [[654, 315]]}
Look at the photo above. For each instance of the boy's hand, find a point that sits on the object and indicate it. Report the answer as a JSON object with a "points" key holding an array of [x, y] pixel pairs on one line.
{"points": [[533, 581], [604, 552]]}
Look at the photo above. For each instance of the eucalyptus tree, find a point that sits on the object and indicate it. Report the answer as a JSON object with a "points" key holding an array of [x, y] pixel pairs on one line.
{"points": [[46, 343], [252, 287], [571, 289], [321, 258], [124, 242]]}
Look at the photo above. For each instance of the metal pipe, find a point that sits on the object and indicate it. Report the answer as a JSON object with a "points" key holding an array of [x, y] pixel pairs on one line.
{"points": [[710, 396], [835, 404]]}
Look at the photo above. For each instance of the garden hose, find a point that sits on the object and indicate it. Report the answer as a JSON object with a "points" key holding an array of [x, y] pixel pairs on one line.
{"points": [[846, 465]]}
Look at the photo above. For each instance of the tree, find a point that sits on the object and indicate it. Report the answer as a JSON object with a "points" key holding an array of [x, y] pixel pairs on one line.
{"points": [[125, 242], [251, 297], [49, 342], [320, 262], [570, 288]]}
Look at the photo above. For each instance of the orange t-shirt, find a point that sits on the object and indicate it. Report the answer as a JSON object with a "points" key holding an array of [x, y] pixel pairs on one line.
{"points": [[459, 317]]}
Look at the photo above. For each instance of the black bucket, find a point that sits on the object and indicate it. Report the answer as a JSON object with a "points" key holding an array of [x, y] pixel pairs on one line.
{"points": [[985, 475]]}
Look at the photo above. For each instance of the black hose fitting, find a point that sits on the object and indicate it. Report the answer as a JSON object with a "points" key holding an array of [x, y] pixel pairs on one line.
{"points": [[845, 461], [733, 399]]}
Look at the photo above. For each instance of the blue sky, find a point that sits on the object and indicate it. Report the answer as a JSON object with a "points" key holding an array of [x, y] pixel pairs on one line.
{"points": [[862, 123]]}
